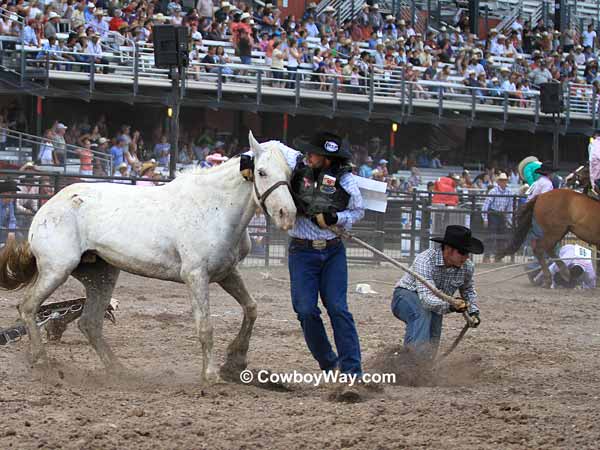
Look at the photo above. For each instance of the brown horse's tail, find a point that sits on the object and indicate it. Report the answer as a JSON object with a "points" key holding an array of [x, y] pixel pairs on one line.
{"points": [[18, 266], [523, 221]]}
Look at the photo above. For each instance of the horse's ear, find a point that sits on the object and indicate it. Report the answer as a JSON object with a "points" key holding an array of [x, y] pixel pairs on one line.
{"points": [[254, 145]]}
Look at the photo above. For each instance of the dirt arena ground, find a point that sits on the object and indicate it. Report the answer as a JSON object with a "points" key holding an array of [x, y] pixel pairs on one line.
{"points": [[527, 378]]}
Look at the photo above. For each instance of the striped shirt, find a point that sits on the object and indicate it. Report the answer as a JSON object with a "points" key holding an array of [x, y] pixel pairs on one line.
{"points": [[502, 203], [430, 265]]}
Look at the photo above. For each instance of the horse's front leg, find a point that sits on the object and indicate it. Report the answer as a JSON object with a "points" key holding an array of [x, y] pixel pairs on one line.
{"points": [[197, 280], [238, 349]]}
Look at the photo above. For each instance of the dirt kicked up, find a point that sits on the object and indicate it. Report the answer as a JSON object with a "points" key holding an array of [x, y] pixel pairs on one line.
{"points": [[527, 378]]}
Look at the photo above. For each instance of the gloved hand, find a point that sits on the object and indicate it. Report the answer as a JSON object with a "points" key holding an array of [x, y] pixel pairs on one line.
{"points": [[459, 305], [475, 319], [324, 220], [247, 167]]}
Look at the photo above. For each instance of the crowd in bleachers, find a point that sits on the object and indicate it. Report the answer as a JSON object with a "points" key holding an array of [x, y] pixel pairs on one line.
{"points": [[99, 148], [515, 62]]}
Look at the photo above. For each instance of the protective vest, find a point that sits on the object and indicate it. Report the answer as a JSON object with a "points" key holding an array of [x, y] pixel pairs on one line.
{"points": [[320, 191], [529, 172], [444, 184]]}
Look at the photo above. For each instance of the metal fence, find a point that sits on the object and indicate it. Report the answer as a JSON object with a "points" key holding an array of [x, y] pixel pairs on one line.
{"points": [[402, 232]]}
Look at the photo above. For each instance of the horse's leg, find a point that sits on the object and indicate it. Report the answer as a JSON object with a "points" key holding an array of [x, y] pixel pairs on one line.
{"points": [[237, 351], [546, 245], [197, 280], [538, 251], [48, 280], [99, 280]]}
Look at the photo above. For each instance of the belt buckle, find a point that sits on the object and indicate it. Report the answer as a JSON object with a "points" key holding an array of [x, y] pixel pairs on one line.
{"points": [[319, 244]]}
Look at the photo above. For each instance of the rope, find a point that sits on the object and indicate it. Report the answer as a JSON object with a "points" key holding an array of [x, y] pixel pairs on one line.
{"points": [[512, 266]]}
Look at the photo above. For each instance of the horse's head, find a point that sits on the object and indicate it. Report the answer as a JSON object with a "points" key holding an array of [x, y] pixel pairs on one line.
{"points": [[271, 183]]}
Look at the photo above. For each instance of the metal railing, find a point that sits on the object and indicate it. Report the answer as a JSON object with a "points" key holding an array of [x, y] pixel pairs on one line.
{"points": [[22, 147], [402, 232], [395, 87]]}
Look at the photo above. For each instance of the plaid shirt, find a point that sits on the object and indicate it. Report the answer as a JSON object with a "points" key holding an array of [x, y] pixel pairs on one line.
{"points": [[430, 265], [502, 203]]}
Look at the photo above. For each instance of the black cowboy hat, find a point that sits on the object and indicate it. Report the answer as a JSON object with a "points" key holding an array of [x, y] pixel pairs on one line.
{"points": [[460, 238], [326, 144], [9, 186], [545, 169]]}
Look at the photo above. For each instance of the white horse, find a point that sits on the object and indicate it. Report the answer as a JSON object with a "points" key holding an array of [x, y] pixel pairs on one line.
{"points": [[192, 230]]}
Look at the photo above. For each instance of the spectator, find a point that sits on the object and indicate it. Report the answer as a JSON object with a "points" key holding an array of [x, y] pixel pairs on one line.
{"points": [[162, 151], [117, 152], [147, 174], [277, 65], [8, 220], [366, 169], [86, 157]]}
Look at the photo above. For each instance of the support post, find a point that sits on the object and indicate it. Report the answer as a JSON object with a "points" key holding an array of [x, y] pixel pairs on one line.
{"points": [[555, 150], [174, 120]]}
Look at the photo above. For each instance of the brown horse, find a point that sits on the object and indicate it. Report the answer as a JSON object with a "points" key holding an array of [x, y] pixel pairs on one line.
{"points": [[556, 212]]}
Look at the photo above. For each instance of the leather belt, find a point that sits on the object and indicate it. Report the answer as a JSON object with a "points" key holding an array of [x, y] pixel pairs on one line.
{"points": [[318, 244]]}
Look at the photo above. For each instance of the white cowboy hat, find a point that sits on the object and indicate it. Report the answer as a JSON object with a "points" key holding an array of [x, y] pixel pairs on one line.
{"points": [[225, 5], [245, 16], [502, 177], [364, 288], [329, 9], [389, 17], [53, 15]]}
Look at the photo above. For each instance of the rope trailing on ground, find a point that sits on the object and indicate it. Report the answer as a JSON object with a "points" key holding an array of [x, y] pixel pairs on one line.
{"points": [[512, 266]]}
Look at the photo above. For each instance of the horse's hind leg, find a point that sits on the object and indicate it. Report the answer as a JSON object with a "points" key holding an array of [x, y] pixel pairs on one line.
{"points": [[47, 282], [99, 279], [546, 245], [237, 351]]}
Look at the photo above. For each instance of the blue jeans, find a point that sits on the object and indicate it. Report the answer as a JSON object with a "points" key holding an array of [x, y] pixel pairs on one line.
{"points": [[423, 327], [325, 272]]}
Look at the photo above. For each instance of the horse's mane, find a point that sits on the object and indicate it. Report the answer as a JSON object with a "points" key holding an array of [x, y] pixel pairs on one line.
{"points": [[267, 146]]}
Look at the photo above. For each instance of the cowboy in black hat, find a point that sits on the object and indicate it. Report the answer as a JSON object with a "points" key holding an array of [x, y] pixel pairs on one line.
{"points": [[326, 194], [449, 269], [8, 221]]}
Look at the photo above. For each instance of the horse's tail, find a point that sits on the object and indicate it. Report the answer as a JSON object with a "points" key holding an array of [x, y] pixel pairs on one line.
{"points": [[523, 222], [18, 266]]}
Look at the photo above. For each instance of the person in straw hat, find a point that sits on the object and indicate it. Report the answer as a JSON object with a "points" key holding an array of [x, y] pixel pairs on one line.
{"points": [[147, 173], [449, 269], [497, 214]]}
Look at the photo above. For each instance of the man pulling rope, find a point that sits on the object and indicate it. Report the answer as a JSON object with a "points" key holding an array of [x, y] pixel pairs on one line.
{"points": [[448, 269]]}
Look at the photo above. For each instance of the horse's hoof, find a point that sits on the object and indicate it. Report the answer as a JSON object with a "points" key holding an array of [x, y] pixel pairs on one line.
{"points": [[210, 378], [231, 371]]}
